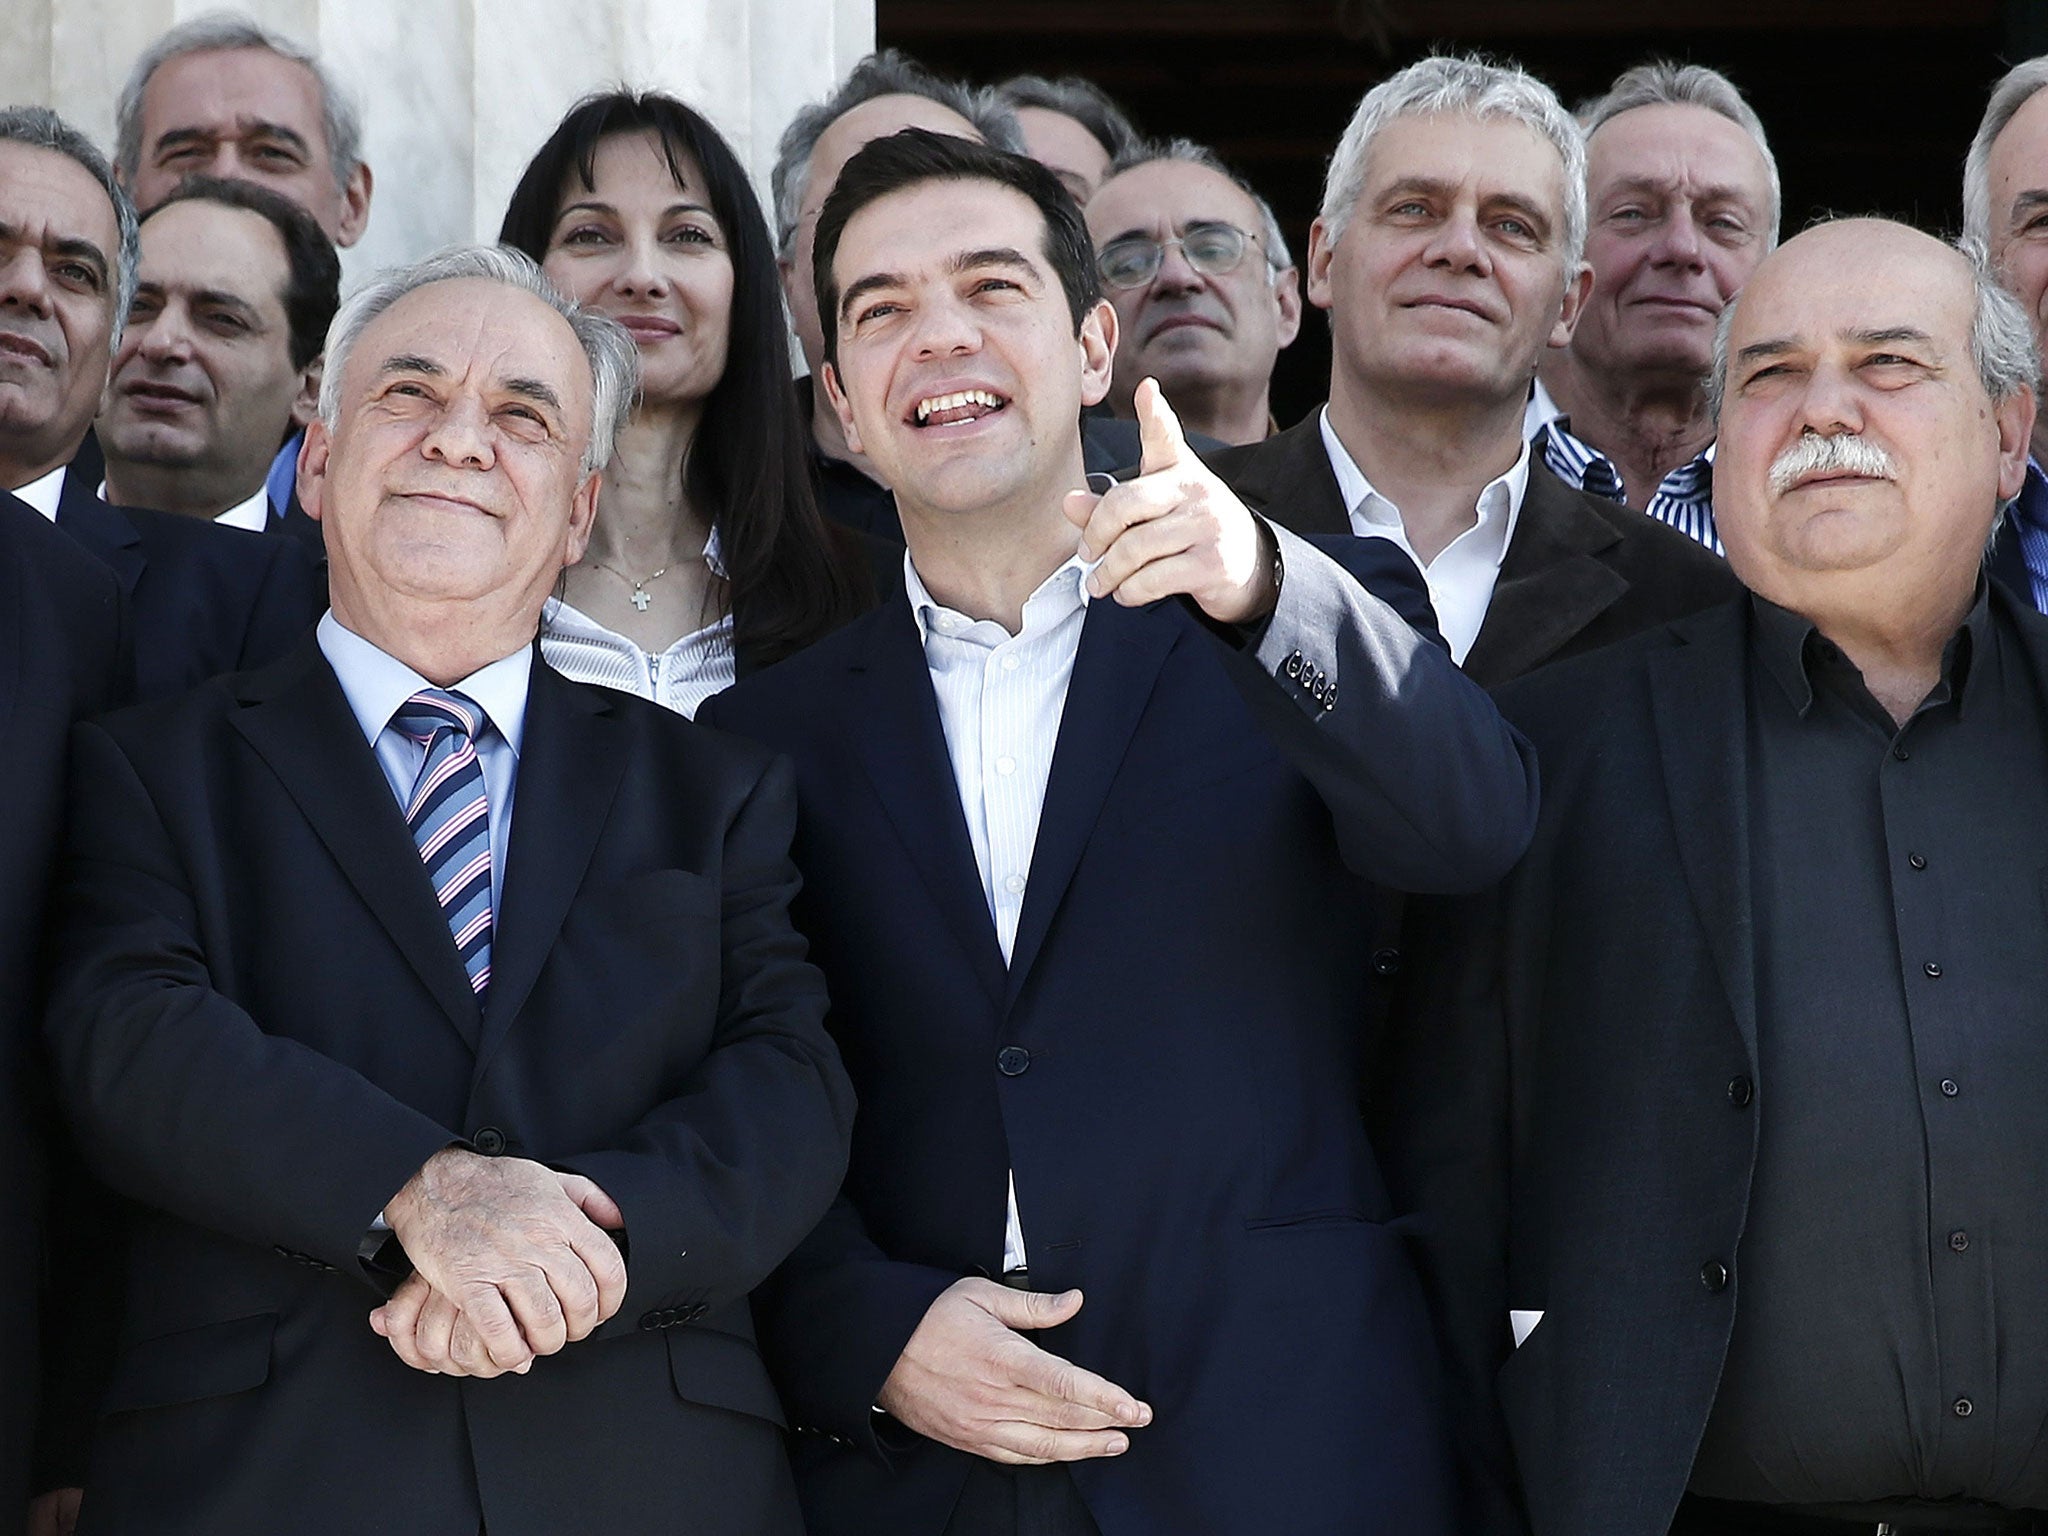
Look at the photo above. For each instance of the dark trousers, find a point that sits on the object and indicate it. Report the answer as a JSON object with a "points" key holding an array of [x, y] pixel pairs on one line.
{"points": [[1020, 1501], [1716, 1517]]}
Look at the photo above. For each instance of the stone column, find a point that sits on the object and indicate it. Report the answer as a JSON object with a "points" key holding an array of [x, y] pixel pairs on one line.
{"points": [[457, 94]]}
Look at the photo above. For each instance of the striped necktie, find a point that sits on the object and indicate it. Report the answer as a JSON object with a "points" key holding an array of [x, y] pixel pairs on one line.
{"points": [[450, 819]]}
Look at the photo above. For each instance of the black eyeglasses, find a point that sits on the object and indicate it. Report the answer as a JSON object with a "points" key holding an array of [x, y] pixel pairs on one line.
{"points": [[1212, 249]]}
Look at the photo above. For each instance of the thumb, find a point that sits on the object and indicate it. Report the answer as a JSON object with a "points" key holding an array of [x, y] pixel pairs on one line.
{"points": [[1033, 1309], [1079, 507], [593, 1202], [1158, 430]]}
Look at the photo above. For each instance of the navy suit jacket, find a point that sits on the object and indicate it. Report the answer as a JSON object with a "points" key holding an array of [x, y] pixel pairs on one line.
{"points": [[62, 656], [1169, 1063], [203, 599], [261, 1029]]}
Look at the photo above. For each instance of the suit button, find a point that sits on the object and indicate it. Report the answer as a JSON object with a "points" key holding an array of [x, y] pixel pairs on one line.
{"points": [[1330, 698], [1740, 1090], [1292, 665], [1917, 860], [1714, 1276], [1964, 1407], [490, 1141], [1013, 1061], [1949, 1088], [649, 1321], [1386, 962], [1959, 1241], [1933, 970], [697, 1311]]}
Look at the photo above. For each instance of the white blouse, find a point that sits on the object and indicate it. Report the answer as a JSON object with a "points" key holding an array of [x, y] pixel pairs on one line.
{"points": [[680, 678]]}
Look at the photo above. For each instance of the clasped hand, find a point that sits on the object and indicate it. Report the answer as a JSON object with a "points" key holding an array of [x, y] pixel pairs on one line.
{"points": [[510, 1260]]}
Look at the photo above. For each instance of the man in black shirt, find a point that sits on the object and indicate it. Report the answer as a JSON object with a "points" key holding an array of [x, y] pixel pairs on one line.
{"points": [[1742, 1135]]}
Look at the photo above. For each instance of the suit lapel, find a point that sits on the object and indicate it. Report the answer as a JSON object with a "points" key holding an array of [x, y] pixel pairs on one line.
{"points": [[105, 531], [893, 718], [1553, 582], [298, 720], [1698, 696], [13, 654], [1121, 652], [572, 757], [1288, 477]]}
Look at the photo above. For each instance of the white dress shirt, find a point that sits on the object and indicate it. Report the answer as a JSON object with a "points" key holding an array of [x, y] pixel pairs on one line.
{"points": [[376, 683], [45, 493], [1462, 576], [680, 678], [1000, 700], [253, 514]]}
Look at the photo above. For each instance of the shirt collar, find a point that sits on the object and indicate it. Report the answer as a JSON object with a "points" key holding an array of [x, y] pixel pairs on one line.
{"points": [[376, 683], [45, 492], [1573, 458], [1060, 594], [1500, 502], [1792, 647], [253, 514]]}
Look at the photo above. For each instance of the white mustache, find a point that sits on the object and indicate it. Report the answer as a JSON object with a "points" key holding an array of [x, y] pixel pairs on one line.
{"points": [[1846, 453]]}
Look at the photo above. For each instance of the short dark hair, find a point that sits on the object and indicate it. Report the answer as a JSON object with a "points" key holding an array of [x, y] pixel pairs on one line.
{"points": [[312, 289], [1081, 99], [917, 155]]}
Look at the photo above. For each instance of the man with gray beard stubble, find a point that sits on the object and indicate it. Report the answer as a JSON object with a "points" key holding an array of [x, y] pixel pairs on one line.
{"points": [[1754, 1031]]}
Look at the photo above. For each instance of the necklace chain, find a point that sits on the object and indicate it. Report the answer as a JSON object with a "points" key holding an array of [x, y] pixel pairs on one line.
{"points": [[640, 599]]}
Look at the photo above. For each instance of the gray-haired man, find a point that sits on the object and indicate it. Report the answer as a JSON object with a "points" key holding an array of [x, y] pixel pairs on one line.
{"points": [[406, 966], [1448, 254], [221, 96], [1683, 204]]}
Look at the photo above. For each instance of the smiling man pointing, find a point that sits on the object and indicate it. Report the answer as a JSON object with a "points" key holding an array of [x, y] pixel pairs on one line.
{"points": [[1088, 817]]}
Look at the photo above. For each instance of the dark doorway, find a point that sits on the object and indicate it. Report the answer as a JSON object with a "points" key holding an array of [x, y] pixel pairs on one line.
{"points": [[1866, 116]]}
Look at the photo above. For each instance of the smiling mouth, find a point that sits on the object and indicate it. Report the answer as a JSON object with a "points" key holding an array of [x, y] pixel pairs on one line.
{"points": [[962, 405], [441, 499], [649, 327], [13, 345], [1456, 306], [158, 396]]}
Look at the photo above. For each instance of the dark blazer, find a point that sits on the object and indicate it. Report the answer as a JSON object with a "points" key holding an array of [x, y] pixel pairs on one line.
{"points": [[1167, 1063], [1576, 1116], [262, 1030], [63, 656], [1580, 572], [294, 524], [203, 599]]}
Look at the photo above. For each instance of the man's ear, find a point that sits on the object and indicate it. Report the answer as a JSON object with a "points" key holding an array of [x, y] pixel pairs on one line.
{"points": [[1576, 292], [2015, 417], [1098, 351], [1322, 250], [313, 454], [582, 514], [840, 406], [1287, 295], [306, 403], [355, 207]]}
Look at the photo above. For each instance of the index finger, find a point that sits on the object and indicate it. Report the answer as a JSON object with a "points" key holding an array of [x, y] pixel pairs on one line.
{"points": [[1162, 443], [1050, 1376]]}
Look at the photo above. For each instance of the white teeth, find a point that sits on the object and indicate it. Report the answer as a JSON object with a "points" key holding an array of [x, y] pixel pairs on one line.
{"points": [[954, 401]]}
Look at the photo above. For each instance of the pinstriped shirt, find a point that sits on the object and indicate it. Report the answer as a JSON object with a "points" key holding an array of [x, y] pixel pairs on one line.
{"points": [[1684, 498], [2030, 524], [1000, 700]]}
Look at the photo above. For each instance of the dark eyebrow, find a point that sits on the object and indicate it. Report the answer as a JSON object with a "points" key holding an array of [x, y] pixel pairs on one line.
{"points": [[412, 362], [249, 127], [1521, 205], [534, 389], [592, 205], [220, 298], [1434, 185], [860, 288], [2028, 201], [1757, 351], [1889, 335], [995, 256], [75, 246]]}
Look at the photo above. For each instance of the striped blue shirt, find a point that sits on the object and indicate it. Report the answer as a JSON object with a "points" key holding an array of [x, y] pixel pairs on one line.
{"points": [[1684, 498], [2030, 523]]}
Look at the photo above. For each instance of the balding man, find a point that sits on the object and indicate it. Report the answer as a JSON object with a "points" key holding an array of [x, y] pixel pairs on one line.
{"points": [[1206, 294], [1682, 202], [406, 970], [1755, 1032]]}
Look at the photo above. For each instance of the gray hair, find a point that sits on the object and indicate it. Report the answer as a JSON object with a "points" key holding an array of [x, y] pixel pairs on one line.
{"points": [[1661, 83], [2002, 345], [2007, 97], [40, 128], [221, 32], [1475, 87], [1083, 100], [886, 73], [1188, 152], [613, 355]]}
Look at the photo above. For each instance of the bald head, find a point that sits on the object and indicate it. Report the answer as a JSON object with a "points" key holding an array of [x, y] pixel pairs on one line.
{"points": [[1871, 418]]}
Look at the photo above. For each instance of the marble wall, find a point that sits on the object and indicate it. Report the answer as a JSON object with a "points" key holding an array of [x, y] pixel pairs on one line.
{"points": [[457, 94]]}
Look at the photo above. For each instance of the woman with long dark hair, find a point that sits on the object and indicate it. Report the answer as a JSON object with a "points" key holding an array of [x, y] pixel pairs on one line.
{"points": [[708, 559]]}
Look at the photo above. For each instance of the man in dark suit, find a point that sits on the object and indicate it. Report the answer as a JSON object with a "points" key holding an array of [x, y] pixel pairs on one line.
{"points": [[201, 600], [220, 359], [1085, 837], [62, 658], [1731, 1094], [1449, 254], [405, 965]]}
